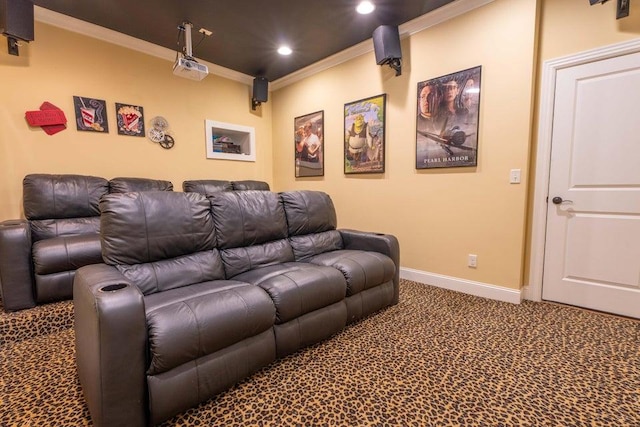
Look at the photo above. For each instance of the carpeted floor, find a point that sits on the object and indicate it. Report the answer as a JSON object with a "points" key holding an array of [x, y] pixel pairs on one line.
{"points": [[438, 358]]}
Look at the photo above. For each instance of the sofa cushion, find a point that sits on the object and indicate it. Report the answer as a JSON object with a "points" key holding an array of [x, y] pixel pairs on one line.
{"points": [[62, 196], [239, 260], [245, 218], [151, 226], [173, 273], [188, 323], [127, 185], [362, 269], [308, 212], [298, 288], [54, 286], [308, 245], [66, 253], [49, 228]]}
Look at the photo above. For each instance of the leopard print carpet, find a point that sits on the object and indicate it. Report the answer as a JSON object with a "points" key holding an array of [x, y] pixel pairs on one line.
{"points": [[34, 322], [439, 358]]}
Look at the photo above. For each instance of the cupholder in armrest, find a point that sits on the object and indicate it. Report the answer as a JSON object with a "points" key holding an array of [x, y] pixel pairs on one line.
{"points": [[112, 288]]}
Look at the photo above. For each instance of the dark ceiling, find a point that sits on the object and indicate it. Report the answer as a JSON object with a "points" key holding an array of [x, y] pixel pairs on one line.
{"points": [[246, 33]]}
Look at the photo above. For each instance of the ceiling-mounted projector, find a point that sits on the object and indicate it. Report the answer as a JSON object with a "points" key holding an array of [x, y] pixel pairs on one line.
{"points": [[187, 66]]}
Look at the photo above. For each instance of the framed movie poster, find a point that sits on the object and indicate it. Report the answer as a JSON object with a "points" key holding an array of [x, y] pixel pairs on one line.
{"points": [[309, 146], [447, 120], [130, 119], [91, 114], [364, 140], [622, 10]]}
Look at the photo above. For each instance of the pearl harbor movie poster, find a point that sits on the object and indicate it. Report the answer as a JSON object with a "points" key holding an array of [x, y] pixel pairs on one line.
{"points": [[364, 141], [447, 120]]}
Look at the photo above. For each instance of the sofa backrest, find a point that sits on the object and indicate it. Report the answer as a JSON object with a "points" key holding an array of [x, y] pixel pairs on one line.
{"points": [[126, 185], [61, 205], [160, 240], [311, 223], [211, 186], [248, 184], [251, 229], [206, 186]]}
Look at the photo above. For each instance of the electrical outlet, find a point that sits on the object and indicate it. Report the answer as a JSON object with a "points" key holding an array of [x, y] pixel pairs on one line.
{"points": [[472, 261]]}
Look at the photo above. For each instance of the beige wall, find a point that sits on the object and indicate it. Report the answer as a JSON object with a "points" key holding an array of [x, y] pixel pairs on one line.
{"points": [[439, 216], [570, 26], [61, 64]]}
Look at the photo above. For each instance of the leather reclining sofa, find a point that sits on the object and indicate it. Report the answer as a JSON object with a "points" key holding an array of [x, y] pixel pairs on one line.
{"points": [[40, 254], [197, 292]]}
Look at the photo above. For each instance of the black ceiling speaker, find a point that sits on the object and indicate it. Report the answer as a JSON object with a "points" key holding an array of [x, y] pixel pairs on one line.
{"points": [[16, 22], [16, 19], [260, 91], [386, 43]]}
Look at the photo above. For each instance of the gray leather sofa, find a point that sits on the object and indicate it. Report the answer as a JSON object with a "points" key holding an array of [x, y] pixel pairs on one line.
{"points": [[40, 254], [196, 293]]}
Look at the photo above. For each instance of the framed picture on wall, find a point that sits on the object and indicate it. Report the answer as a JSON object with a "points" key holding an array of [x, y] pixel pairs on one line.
{"points": [[364, 135], [622, 9], [227, 141], [130, 119], [448, 109], [91, 114], [309, 144]]}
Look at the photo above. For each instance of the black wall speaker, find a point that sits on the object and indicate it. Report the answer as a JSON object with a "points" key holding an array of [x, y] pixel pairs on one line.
{"points": [[260, 89], [386, 43], [16, 19]]}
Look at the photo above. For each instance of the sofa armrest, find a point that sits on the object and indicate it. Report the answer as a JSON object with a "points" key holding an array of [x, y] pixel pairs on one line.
{"points": [[16, 276], [386, 244], [111, 340]]}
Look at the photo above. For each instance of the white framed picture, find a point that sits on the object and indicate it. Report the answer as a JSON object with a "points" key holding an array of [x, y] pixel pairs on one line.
{"points": [[228, 141]]}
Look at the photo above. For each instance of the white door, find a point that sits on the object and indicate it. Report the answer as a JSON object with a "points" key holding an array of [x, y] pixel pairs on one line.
{"points": [[592, 248]]}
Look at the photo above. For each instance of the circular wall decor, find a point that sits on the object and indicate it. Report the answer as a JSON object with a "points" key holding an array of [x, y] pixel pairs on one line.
{"points": [[155, 135], [167, 142], [158, 132]]}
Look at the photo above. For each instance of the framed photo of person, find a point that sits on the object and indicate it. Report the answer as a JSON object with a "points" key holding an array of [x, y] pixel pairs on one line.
{"points": [[308, 131], [364, 135], [448, 109]]}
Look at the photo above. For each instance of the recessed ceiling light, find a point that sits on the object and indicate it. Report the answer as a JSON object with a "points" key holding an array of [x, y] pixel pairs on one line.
{"points": [[365, 7], [284, 50]]}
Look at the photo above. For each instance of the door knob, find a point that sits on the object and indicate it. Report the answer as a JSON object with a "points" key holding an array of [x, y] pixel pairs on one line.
{"points": [[558, 200]]}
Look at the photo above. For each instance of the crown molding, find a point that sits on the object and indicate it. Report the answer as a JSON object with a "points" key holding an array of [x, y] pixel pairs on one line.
{"points": [[65, 22], [442, 14]]}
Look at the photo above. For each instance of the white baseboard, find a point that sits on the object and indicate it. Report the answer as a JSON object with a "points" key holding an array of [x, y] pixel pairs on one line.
{"points": [[479, 289]]}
